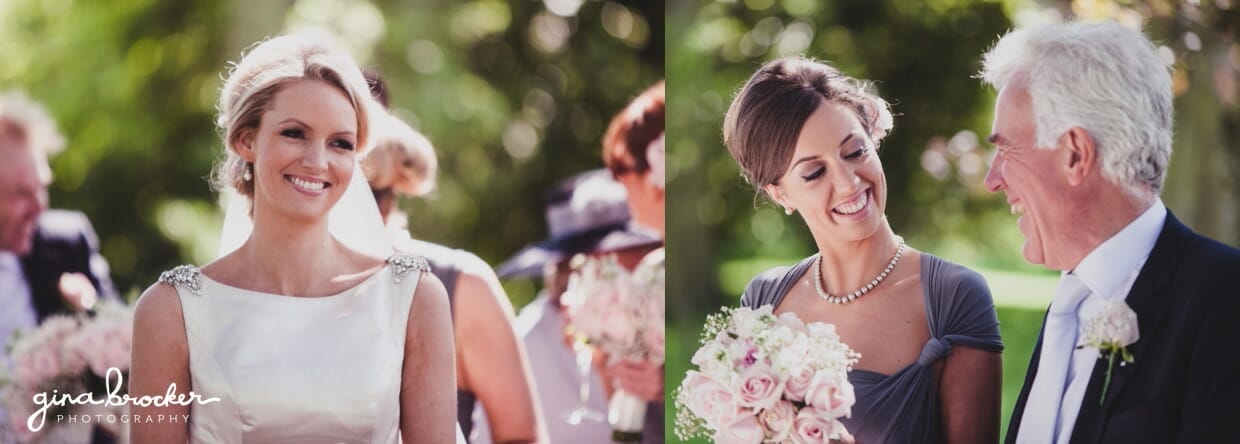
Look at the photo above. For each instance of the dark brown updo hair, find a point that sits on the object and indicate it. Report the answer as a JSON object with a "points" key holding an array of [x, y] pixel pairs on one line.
{"points": [[766, 116], [631, 131]]}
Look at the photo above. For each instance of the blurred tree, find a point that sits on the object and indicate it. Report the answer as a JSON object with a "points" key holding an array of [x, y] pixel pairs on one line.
{"points": [[132, 86], [515, 95]]}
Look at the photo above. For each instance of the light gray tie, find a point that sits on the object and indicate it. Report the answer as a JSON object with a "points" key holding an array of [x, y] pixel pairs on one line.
{"points": [[1040, 422]]}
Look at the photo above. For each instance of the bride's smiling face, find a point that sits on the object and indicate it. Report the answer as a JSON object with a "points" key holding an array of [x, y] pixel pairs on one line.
{"points": [[835, 180], [303, 151]]}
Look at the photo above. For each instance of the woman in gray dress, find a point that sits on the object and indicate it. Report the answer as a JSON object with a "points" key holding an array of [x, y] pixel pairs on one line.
{"points": [[807, 136]]}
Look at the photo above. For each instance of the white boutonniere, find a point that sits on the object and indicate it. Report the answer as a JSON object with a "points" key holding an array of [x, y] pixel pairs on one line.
{"points": [[1111, 332]]}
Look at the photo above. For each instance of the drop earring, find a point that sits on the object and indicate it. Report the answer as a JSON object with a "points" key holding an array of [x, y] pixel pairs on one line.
{"points": [[247, 176], [789, 210]]}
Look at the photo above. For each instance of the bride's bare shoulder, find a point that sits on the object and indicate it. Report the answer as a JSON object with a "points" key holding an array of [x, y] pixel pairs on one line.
{"points": [[159, 307]]}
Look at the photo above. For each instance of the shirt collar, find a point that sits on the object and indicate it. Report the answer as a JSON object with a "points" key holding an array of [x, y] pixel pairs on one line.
{"points": [[1106, 269]]}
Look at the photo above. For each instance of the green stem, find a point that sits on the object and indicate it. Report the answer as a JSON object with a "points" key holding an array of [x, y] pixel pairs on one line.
{"points": [[1107, 383]]}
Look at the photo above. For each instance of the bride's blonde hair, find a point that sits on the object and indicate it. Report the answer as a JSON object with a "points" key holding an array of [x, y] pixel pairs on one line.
{"points": [[269, 65]]}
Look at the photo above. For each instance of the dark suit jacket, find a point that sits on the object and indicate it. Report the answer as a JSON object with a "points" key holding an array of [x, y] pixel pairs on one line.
{"points": [[1184, 386], [64, 242]]}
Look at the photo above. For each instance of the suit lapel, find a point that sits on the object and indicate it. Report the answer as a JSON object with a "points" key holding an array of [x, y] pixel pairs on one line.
{"points": [[1145, 299], [42, 268], [1019, 410]]}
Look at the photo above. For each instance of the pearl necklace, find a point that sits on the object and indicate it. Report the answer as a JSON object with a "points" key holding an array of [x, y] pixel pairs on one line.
{"points": [[863, 290]]}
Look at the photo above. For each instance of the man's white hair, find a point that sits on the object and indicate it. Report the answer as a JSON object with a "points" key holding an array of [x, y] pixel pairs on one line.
{"points": [[1102, 77], [31, 121]]}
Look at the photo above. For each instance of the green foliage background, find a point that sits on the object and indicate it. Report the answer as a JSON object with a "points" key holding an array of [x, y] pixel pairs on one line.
{"points": [[515, 97]]}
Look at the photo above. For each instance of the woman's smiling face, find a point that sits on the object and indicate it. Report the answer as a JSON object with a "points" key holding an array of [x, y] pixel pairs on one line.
{"points": [[835, 180], [304, 150]]}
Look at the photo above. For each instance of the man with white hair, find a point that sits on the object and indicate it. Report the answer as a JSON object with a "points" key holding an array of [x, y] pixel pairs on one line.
{"points": [[1139, 341], [49, 259]]}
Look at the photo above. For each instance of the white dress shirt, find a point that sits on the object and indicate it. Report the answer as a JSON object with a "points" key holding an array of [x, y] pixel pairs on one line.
{"points": [[18, 310], [1109, 271]]}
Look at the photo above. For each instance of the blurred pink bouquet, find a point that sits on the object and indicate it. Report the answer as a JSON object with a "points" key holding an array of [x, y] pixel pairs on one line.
{"points": [[766, 378], [621, 314], [65, 355]]}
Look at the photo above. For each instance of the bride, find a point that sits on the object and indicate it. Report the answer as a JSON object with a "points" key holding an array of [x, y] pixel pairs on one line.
{"points": [[304, 332]]}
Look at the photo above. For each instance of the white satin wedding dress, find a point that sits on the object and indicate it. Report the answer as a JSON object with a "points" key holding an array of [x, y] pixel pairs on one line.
{"points": [[294, 369]]}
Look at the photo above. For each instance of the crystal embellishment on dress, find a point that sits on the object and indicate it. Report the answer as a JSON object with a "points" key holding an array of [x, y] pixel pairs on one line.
{"points": [[403, 263], [187, 276]]}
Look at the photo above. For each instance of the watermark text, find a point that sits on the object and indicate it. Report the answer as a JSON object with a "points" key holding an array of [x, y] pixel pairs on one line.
{"points": [[112, 384]]}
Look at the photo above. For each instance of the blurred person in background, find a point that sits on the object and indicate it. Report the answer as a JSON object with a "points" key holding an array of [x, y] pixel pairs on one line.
{"points": [[49, 259], [492, 367], [586, 214], [633, 150]]}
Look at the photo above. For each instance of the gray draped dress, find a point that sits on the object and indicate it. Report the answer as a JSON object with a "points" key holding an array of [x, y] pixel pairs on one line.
{"points": [[904, 407]]}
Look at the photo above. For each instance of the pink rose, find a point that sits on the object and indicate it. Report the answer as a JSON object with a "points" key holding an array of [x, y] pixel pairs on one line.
{"points": [[709, 400], [777, 421], [758, 388], [743, 430], [831, 394], [811, 427], [797, 384]]}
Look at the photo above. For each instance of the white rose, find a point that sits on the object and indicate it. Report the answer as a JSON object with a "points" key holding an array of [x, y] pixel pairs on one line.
{"points": [[1122, 323], [754, 322], [744, 353], [791, 320], [713, 360], [792, 356], [1116, 325]]}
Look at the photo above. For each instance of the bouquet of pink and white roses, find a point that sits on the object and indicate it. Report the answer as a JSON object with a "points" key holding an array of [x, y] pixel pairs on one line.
{"points": [[620, 313], [766, 378], [65, 356]]}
